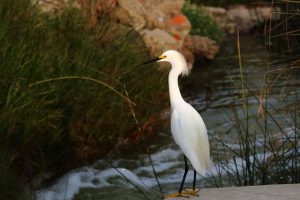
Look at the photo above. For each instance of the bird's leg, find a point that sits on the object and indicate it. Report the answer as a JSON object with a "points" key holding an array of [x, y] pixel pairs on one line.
{"points": [[193, 192], [194, 183], [179, 193], [186, 169]]}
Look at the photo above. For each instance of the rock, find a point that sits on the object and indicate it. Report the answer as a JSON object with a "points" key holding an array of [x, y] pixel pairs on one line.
{"points": [[261, 14], [159, 12], [202, 46], [170, 7], [179, 26], [155, 19], [218, 14], [240, 15], [160, 22], [158, 41], [131, 12]]}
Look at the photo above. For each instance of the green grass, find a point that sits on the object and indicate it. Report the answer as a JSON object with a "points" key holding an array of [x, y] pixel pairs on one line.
{"points": [[202, 23], [59, 81]]}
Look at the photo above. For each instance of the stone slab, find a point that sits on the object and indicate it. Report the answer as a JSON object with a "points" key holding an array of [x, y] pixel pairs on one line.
{"points": [[262, 192]]}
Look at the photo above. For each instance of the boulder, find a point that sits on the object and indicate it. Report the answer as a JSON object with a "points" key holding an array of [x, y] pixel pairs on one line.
{"points": [[161, 23], [179, 27], [170, 7], [218, 14], [241, 16], [261, 14], [131, 12], [158, 41], [202, 46]]}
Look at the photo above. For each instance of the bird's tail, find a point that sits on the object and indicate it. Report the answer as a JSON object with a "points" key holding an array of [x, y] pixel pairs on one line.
{"points": [[203, 165]]}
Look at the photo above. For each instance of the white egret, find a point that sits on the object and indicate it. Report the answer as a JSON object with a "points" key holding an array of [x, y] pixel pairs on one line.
{"points": [[187, 126]]}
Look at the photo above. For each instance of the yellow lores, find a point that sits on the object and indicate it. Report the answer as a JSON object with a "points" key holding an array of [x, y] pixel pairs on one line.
{"points": [[162, 57], [187, 126]]}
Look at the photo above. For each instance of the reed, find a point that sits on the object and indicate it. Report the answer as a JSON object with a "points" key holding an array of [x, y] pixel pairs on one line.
{"points": [[267, 149]]}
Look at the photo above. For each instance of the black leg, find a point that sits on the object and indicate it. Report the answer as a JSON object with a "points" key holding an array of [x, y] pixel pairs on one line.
{"points": [[186, 169], [194, 183]]}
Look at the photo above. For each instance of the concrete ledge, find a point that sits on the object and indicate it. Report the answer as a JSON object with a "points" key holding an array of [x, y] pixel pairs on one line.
{"points": [[262, 192]]}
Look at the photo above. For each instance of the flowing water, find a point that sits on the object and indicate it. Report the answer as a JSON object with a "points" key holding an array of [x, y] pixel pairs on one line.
{"points": [[215, 90]]}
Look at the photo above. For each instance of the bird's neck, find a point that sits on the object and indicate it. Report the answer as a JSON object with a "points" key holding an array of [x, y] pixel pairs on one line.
{"points": [[175, 95]]}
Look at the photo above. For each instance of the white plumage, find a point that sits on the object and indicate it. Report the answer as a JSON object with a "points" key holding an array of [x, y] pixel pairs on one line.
{"points": [[187, 126]]}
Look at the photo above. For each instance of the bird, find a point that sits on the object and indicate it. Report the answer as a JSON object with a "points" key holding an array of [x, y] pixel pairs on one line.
{"points": [[187, 126]]}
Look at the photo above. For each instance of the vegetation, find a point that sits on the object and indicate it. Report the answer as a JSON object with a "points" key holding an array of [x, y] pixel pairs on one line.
{"points": [[67, 86], [266, 154], [64, 90], [284, 35], [267, 149], [202, 23]]}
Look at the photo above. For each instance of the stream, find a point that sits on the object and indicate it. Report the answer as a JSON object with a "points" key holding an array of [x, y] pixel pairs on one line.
{"points": [[216, 91]]}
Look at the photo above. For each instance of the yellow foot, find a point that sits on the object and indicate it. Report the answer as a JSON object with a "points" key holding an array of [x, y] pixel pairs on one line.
{"points": [[185, 194], [191, 192], [177, 194]]}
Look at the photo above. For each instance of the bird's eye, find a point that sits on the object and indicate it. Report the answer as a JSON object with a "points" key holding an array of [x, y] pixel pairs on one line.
{"points": [[162, 57]]}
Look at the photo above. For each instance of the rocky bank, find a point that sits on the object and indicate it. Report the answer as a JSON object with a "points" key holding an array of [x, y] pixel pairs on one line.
{"points": [[162, 25]]}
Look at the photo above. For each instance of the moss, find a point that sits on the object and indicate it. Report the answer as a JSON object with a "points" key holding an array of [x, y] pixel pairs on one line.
{"points": [[202, 23]]}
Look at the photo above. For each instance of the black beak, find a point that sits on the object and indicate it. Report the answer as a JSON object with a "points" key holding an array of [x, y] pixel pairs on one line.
{"points": [[151, 61]]}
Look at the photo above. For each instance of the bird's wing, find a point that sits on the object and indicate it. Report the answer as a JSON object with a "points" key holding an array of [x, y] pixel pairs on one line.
{"points": [[190, 134]]}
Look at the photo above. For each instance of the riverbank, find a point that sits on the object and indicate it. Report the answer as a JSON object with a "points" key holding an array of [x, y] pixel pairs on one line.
{"points": [[68, 85], [215, 91]]}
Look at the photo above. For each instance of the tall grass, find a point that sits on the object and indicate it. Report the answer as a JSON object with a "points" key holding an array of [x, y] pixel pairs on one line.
{"points": [[268, 154], [268, 148], [61, 84], [283, 36]]}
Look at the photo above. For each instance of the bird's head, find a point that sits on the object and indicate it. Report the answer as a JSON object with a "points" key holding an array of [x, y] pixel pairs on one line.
{"points": [[176, 59]]}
